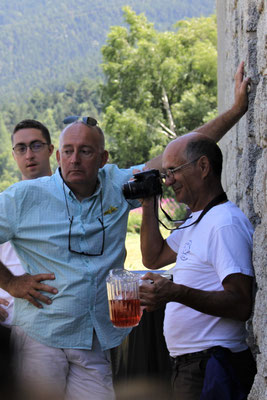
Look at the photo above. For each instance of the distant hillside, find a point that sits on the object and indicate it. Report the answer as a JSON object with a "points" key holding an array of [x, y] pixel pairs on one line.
{"points": [[45, 43]]}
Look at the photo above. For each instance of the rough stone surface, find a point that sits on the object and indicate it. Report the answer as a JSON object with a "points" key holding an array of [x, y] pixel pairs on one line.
{"points": [[242, 36]]}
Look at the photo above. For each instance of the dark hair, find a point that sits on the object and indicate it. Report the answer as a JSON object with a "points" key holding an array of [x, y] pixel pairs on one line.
{"points": [[206, 147], [32, 123]]}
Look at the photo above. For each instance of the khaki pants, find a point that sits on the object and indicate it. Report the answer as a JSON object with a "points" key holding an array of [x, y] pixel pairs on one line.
{"points": [[69, 374]]}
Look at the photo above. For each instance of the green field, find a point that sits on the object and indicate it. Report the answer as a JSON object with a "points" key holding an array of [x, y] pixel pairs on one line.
{"points": [[134, 259]]}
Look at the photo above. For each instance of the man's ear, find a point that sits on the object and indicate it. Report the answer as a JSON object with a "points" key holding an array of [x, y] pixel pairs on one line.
{"points": [[58, 157], [50, 149], [104, 159], [204, 165]]}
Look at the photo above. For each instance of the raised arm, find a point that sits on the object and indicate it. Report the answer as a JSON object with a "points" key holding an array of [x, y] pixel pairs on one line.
{"points": [[219, 126]]}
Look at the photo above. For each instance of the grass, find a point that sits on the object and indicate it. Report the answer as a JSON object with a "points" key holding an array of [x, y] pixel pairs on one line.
{"points": [[134, 259]]}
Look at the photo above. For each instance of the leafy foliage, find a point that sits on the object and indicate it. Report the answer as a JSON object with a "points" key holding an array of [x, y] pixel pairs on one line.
{"points": [[176, 212], [158, 84], [134, 221]]}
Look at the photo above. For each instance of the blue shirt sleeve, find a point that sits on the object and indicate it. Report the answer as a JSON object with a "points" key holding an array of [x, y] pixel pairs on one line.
{"points": [[7, 214]]}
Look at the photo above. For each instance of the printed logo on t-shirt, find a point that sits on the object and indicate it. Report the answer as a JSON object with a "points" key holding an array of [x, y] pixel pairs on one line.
{"points": [[186, 250]]}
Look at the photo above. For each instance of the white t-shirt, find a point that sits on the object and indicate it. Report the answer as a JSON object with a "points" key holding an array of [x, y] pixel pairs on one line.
{"points": [[219, 245], [10, 259]]}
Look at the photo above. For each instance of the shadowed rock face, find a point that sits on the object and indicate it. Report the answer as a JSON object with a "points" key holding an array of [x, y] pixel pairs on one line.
{"points": [[242, 35]]}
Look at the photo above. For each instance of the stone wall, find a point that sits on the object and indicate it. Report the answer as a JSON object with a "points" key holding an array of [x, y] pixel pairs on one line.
{"points": [[242, 35]]}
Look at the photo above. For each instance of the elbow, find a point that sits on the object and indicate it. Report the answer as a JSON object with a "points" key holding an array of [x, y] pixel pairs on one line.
{"points": [[244, 312], [148, 263], [246, 315]]}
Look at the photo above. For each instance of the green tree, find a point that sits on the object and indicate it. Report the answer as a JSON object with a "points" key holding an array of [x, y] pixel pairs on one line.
{"points": [[4, 135], [158, 84], [8, 171]]}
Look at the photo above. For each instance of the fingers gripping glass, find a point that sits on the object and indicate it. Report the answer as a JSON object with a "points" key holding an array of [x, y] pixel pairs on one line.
{"points": [[101, 220], [35, 146], [89, 121]]}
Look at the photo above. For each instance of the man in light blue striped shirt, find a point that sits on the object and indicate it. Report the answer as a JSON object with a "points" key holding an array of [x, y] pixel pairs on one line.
{"points": [[71, 227]]}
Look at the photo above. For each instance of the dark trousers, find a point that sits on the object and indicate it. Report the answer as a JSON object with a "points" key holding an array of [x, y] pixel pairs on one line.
{"points": [[189, 372]]}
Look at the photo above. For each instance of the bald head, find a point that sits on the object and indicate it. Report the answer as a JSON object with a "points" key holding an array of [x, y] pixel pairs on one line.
{"points": [[92, 130], [179, 145], [191, 147], [80, 156]]}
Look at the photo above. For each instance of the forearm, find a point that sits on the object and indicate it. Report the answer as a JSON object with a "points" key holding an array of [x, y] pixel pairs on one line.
{"points": [[5, 277], [217, 303], [155, 163], [151, 238], [219, 126]]}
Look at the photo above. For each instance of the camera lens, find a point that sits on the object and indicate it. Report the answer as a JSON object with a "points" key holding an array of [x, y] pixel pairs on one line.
{"points": [[131, 190], [146, 184]]}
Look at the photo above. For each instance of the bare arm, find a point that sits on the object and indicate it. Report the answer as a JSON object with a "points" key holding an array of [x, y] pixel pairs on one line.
{"points": [[218, 127], [233, 302], [155, 251], [27, 286], [155, 163]]}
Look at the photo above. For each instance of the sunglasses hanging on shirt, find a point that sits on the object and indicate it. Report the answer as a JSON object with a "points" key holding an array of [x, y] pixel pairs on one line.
{"points": [[100, 220]]}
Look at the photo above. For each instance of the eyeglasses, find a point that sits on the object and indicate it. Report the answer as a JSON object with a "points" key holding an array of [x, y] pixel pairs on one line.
{"points": [[82, 252], [101, 220], [89, 121], [35, 146], [171, 171]]}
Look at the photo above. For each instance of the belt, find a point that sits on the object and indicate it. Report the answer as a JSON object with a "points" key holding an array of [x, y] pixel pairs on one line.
{"points": [[191, 356]]}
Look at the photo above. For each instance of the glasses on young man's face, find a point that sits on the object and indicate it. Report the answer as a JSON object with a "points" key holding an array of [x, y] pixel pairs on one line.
{"points": [[169, 172], [35, 146], [89, 121]]}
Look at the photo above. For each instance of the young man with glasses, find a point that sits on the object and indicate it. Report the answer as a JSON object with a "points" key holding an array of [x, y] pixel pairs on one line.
{"points": [[210, 297], [32, 149], [72, 225]]}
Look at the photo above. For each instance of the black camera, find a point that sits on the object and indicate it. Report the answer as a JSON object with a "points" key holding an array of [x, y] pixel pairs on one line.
{"points": [[145, 184]]}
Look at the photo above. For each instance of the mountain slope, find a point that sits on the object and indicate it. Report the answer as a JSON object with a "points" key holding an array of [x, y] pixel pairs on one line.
{"points": [[44, 43]]}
